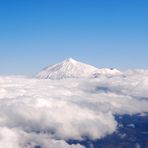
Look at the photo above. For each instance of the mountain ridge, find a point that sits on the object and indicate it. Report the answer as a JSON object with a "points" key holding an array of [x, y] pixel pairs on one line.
{"points": [[71, 68]]}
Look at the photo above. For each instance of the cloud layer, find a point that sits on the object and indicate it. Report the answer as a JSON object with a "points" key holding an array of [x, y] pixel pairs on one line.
{"points": [[48, 112]]}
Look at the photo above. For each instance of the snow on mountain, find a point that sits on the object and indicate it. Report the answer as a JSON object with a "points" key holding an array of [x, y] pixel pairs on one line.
{"points": [[71, 68], [107, 72]]}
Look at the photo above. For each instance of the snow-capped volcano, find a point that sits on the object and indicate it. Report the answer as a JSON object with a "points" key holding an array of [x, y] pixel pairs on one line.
{"points": [[69, 68]]}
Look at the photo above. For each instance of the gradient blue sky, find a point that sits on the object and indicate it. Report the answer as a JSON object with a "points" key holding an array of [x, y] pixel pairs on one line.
{"points": [[104, 33]]}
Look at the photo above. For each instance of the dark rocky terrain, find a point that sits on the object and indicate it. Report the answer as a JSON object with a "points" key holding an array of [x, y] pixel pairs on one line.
{"points": [[132, 132]]}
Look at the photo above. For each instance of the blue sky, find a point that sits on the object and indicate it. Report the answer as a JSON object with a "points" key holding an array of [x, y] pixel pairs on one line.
{"points": [[104, 33]]}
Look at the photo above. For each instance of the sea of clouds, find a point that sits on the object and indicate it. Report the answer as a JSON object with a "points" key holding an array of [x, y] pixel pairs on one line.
{"points": [[47, 113]]}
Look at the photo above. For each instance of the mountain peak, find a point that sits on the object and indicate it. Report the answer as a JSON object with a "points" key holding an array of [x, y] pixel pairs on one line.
{"points": [[69, 68], [71, 60]]}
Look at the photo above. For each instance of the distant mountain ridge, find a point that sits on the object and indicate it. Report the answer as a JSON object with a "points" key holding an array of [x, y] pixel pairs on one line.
{"points": [[71, 68]]}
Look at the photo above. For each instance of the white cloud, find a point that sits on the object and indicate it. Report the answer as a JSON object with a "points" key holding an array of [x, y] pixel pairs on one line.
{"points": [[49, 112], [16, 138]]}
